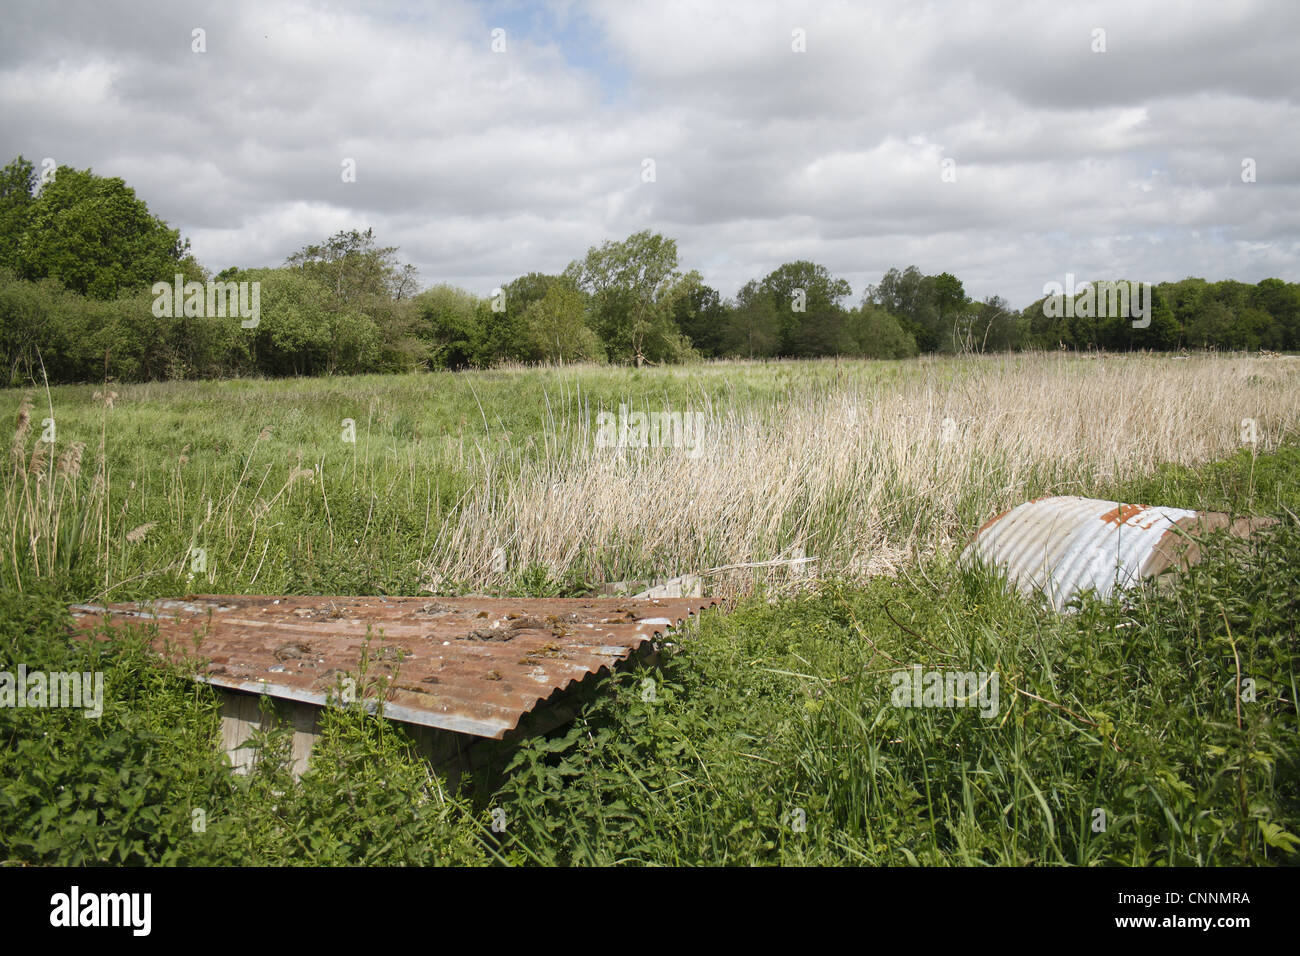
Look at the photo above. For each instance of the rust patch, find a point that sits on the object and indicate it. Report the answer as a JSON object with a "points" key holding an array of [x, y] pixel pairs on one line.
{"points": [[1179, 548], [994, 520], [1121, 515]]}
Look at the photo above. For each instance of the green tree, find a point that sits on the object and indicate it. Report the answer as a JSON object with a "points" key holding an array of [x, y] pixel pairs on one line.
{"points": [[17, 194], [1210, 326], [402, 347], [807, 300], [554, 327], [525, 332], [1281, 300], [32, 317], [877, 334], [370, 294], [753, 327], [953, 317], [294, 330], [452, 322], [635, 285], [1041, 331], [911, 297], [702, 317], [355, 270], [93, 234], [1186, 299], [995, 327]]}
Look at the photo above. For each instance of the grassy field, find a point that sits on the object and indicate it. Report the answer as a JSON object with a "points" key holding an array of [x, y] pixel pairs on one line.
{"points": [[863, 465], [771, 736]]}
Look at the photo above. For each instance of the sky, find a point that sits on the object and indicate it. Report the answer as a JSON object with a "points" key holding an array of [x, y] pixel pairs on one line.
{"points": [[1009, 143]]}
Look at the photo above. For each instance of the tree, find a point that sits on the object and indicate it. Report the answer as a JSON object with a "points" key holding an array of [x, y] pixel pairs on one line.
{"points": [[994, 327], [950, 304], [1281, 300], [508, 334], [702, 317], [807, 297], [635, 285], [294, 332], [877, 334], [753, 324], [452, 322], [367, 293], [1186, 299], [554, 327], [17, 194], [911, 297], [402, 348], [97, 238], [355, 270], [32, 317]]}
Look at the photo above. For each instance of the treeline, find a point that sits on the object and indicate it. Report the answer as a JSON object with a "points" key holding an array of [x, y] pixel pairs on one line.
{"points": [[83, 264]]}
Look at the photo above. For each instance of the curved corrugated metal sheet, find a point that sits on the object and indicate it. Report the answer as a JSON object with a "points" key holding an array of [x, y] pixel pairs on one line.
{"points": [[1065, 545]]}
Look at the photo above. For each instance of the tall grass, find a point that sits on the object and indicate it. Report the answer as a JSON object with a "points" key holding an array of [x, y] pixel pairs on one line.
{"points": [[53, 517], [1132, 708], [863, 475], [251, 486]]}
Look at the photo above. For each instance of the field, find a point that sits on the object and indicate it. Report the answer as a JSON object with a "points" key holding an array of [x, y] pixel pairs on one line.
{"points": [[770, 738], [863, 465]]}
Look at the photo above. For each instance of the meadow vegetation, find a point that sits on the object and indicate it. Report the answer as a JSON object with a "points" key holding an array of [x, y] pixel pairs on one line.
{"points": [[770, 736], [863, 465]]}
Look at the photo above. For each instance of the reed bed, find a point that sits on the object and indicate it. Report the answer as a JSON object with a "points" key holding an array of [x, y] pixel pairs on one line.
{"points": [[476, 481], [864, 477]]}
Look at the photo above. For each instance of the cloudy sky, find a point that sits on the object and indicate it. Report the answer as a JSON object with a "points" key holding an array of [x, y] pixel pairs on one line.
{"points": [[777, 131]]}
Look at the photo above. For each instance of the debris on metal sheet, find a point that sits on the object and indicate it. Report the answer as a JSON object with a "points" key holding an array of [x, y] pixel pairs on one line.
{"points": [[1062, 546], [688, 585], [685, 586], [469, 665]]}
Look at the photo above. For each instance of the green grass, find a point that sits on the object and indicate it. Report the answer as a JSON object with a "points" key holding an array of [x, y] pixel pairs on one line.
{"points": [[767, 735], [200, 460], [772, 714], [1242, 484]]}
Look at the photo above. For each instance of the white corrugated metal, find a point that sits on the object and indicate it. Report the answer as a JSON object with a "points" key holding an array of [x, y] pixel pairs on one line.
{"points": [[1062, 546]]}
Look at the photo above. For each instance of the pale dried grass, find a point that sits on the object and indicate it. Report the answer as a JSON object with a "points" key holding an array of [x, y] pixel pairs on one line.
{"points": [[862, 477]]}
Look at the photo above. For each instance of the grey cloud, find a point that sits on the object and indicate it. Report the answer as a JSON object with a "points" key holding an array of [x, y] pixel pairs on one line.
{"points": [[483, 166]]}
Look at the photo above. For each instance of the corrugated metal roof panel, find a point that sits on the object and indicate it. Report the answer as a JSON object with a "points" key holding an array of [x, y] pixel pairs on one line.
{"points": [[471, 665], [1064, 545]]}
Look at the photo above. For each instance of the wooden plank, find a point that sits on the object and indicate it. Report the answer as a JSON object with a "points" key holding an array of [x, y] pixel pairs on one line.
{"points": [[240, 718], [305, 720]]}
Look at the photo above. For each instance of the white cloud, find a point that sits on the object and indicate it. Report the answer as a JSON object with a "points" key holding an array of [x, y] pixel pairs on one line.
{"points": [[482, 166]]}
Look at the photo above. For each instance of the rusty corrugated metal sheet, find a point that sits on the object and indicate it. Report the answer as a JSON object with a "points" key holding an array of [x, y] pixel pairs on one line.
{"points": [[471, 665], [1061, 546]]}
